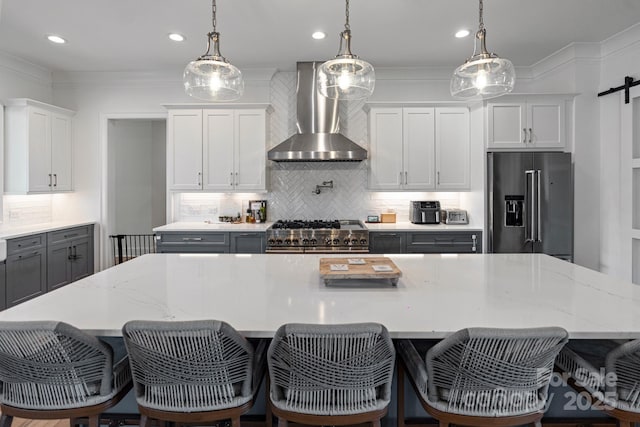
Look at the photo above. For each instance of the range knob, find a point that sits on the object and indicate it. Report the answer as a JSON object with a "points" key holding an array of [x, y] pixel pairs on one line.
{"points": [[287, 242], [328, 242], [363, 241], [279, 241], [336, 241], [305, 241], [314, 242], [294, 241], [271, 241], [347, 241], [354, 241]]}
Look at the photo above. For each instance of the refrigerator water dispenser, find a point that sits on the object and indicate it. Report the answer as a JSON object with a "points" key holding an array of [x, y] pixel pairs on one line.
{"points": [[514, 211]]}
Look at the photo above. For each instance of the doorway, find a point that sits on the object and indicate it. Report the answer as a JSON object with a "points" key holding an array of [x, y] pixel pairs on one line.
{"points": [[136, 178]]}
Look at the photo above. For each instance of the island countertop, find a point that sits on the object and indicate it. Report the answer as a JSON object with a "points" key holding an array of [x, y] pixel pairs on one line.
{"points": [[436, 295]]}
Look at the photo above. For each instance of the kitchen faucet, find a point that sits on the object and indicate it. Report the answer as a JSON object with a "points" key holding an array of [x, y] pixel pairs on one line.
{"points": [[325, 184]]}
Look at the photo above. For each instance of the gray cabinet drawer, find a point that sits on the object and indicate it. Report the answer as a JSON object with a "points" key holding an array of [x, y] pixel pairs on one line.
{"points": [[68, 234], [247, 243], [387, 242], [194, 238], [444, 242], [24, 243]]}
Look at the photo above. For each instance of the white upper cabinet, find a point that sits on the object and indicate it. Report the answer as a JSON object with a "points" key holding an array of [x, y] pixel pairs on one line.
{"points": [[531, 122], [38, 148], [216, 149], [452, 149], [419, 148]]}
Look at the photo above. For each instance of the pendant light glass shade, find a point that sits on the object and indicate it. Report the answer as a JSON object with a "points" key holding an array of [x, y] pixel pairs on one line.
{"points": [[211, 77], [485, 75], [346, 77]]}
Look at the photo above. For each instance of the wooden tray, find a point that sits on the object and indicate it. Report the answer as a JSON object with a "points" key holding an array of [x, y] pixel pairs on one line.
{"points": [[358, 271]]}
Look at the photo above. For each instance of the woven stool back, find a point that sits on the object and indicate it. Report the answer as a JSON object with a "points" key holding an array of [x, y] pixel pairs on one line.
{"points": [[489, 372], [331, 369], [189, 366], [52, 365], [624, 363]]}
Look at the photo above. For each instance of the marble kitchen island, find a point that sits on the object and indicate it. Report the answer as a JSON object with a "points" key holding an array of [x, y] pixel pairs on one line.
{"points": [[436, 295]]}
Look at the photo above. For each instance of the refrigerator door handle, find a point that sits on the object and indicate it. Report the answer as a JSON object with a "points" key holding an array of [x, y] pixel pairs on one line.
{"points": [[530, 194], [539, 225]]}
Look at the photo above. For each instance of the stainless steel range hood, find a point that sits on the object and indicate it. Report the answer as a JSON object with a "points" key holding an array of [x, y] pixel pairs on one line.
{"points": [[318, 138]]}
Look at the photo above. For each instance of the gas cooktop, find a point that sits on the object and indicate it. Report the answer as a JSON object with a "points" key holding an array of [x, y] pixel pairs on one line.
{"points": [[320, 236]]}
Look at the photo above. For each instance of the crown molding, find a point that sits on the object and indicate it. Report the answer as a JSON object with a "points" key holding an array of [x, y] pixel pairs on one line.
{"points": [[568, 55], [620, 41], [25, 68]]}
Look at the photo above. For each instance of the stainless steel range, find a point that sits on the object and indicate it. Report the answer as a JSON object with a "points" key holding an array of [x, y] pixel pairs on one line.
{"points": [[317, 236]]}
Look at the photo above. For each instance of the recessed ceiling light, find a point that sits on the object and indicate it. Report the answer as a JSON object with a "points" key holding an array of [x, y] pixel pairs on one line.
{"points": [[56, 39], [462, 33], [176, 37], [318, 35]]}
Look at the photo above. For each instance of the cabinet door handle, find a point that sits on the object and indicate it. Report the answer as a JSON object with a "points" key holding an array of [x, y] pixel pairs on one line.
{"points": [[474, 239], [530, 135], [400, 183], [55, 179], [237, 178], [49, 180], [231, 179], [438, 173], [406, 180], [387, 234], [246, 234], [192, 239], [70, 256], [199, 179], [524, 135]]}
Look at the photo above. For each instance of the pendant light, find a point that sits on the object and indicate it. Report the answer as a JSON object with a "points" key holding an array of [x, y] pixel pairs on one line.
{"points": [[211, 77], [484, 75], [346, 77]]}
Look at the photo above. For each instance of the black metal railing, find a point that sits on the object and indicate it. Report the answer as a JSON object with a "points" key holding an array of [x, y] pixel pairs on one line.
{"points": [[127, 246]]}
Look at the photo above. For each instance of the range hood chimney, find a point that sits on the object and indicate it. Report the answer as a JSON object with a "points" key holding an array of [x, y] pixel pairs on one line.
{"points": [[318, 138]]}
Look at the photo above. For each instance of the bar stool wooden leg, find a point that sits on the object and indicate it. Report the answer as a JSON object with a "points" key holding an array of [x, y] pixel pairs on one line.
{"points": [[235, 422], [144, 420], [6, 420], [400, 393]]}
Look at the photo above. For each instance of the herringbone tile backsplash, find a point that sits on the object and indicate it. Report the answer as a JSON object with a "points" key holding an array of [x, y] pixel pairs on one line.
{"points": [[291, 185]]}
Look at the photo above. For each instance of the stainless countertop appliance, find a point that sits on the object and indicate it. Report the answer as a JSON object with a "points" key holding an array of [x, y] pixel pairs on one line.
{"points": [[530, 203], [425, 212], [317, 236]]}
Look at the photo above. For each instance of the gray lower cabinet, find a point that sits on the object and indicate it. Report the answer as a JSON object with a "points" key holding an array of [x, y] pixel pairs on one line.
{"points": [[3, 285], [69, 256], [26, 264], [247, 243], [440, 242], [387, 242], [210, 242], [180, 242]]}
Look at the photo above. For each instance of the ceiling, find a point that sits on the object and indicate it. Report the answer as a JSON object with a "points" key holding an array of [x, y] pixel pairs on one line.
{"points": [[131, 35]]}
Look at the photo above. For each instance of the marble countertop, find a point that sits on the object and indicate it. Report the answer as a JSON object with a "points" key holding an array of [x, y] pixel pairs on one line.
{"points": [[214, 226], [409, 226], [436, 295], [244, 227], [11, 232]]}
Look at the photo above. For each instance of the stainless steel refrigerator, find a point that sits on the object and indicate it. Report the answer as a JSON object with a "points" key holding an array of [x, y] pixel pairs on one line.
{"points": [[530, 203]]}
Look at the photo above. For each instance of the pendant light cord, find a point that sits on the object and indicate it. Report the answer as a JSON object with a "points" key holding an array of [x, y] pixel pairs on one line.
{"points": [[213, 14], [481, 19], [346, 14]]}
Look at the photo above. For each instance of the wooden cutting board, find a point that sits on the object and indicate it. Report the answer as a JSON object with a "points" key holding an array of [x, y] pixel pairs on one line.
{"points": [[346, 268]]}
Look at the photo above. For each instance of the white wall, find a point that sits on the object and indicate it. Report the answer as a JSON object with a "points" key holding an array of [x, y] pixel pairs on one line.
{"points": [[136, 159]]}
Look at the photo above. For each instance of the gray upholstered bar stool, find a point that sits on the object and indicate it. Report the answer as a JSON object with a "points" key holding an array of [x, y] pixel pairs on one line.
{"points": [[52, 370], [482, 376], [609, 371], [193, 371], [330, 374]]}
